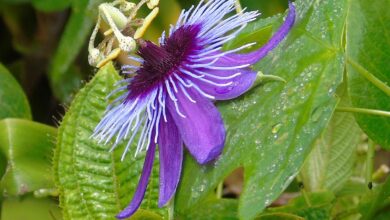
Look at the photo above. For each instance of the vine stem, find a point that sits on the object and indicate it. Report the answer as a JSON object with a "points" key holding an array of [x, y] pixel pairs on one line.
{"points": [[219, 190], [370, 77], [364, 111], [171, 207], [370, 161]]}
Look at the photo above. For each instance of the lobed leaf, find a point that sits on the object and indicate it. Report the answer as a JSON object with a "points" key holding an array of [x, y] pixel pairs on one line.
{"points": [[270, 130]]}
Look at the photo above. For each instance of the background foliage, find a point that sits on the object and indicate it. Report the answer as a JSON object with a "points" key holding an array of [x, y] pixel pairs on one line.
{"points": [[294, 150]]}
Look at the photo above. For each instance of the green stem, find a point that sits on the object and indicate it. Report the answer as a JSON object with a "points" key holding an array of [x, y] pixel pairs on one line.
{"points": [[370, 77], [364, 111], [261, 78], [171, 209], [370, 161], [303, 191], [219, 190]]}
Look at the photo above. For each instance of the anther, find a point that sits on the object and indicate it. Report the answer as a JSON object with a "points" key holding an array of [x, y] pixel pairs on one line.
{"points": [[148, 20]]}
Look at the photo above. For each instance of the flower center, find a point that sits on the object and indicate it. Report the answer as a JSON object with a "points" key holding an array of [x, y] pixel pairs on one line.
{"points": [[161, 61]]}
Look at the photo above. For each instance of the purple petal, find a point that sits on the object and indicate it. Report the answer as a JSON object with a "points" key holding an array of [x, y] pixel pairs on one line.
{"points": [[142, 184], [171, 156], [202, 128], [227, 88], [255, 56]]}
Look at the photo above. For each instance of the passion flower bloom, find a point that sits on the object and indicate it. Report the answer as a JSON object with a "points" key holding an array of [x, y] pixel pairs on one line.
{"points": [[169, 100]]}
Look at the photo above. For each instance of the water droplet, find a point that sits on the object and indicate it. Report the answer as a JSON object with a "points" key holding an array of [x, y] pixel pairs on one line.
{"points": [[276, 128], [317, 113], [330, 91]]}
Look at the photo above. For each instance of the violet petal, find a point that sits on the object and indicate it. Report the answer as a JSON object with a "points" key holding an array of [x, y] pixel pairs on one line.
{"points": [[142, 184], [227, 88], [255, 56], [202, 128], [171, 156]]}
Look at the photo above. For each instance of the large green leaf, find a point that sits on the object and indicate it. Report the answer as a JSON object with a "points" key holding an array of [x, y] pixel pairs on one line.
{"points": [[13, 101], [30, 208], [368, 46], [27, 147], [94, 183], [330, 163], [271, 129]]}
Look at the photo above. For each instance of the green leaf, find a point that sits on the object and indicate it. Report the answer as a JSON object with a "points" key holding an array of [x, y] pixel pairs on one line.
{"points": [[278, 216], [376, 202], [27, 147], [13, 101], [313, 206], [368, 45], [271, 129], [93, 182], [51, 5], [330, 163], [63, 78], [29, 207], [213, 208]]}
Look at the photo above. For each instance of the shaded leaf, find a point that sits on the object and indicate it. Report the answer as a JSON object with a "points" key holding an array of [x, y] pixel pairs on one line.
{"points": [[277, 216], [13, 101], [271, 129], [93, 182], [330, 163], [376, 201], [312, 207], [27, 147], [368, 44], [213, 208], [51, 5]]}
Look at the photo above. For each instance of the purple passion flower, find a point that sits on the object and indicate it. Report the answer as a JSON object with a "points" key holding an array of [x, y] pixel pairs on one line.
{"points": [[169, 101]]}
